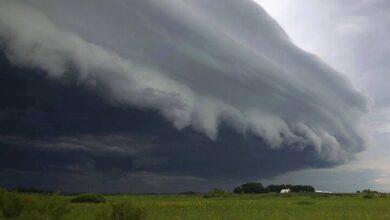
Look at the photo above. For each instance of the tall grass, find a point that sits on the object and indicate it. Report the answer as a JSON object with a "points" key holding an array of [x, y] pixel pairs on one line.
{"points": [[88, 198], [17, 206], [122, 211], [11, 205], [216, 193]]}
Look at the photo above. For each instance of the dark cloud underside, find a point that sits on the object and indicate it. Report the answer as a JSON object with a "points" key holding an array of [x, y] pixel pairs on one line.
{"points": [[60, 129], [170, 90]]}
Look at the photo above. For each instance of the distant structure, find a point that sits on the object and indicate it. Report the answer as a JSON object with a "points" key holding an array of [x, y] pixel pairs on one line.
{"points": [[320, 191], [285, 191]]}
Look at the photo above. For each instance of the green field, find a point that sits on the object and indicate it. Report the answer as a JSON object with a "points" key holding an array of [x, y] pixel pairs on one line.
{"points": [[265, 206]]}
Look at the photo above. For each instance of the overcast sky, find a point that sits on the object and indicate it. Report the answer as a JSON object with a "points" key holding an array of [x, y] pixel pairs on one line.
{"points": [[171, 95], [352, 36]]}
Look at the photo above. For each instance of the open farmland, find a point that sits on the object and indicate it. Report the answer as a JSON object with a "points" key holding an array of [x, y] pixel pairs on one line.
{"points": [[266, 206]]}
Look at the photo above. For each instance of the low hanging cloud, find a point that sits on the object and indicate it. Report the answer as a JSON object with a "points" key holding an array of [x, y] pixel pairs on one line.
{"points": [[201, 64]]}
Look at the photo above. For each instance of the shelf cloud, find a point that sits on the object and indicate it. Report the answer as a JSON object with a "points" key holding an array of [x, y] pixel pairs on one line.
{"points": [[223, 74]]}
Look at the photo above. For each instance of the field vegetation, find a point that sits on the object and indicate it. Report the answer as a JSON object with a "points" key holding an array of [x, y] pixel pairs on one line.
{"points": [[217, 204]]}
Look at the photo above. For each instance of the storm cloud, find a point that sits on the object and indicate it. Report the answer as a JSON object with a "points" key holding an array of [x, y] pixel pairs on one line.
{"points": [[193, 88]]}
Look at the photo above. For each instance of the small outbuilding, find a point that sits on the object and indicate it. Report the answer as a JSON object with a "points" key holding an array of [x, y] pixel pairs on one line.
{"points": [[285, 191], [319, 191]]}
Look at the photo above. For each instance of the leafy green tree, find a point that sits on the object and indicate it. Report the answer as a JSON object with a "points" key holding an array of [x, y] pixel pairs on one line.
{"points": [[250, 188]]}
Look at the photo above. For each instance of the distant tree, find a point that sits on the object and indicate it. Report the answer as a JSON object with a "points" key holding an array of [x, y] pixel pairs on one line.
{"points": [[369, 191], [302, 188], [275, 188], [31, 190], [238, 190], [259, 188], [216, 193], [250, 188], [189, 193], [293, 188]]}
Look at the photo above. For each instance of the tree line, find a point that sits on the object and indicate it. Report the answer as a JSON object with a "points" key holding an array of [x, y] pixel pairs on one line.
{"points": [[259, 188]]}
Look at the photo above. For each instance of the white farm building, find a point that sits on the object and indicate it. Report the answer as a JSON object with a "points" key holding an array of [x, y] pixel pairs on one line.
{"points": [[285, 191]]}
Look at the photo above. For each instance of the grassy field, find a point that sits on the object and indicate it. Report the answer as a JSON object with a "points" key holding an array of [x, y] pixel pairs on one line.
{"points": [[267, 206]]}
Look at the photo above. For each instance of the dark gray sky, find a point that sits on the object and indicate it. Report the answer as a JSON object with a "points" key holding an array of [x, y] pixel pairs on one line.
{"points": [[170, 96]]}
